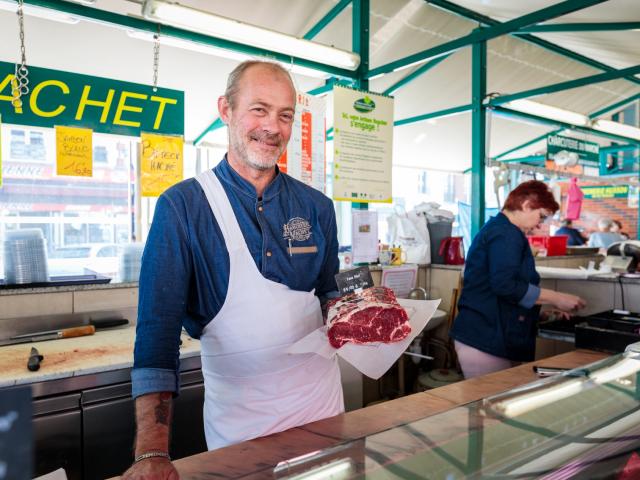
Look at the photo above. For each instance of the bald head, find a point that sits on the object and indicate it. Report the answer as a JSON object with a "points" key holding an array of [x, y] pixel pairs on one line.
{"points": [[234, 81]]}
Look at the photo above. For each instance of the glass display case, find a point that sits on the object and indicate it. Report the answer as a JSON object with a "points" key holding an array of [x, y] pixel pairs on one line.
{"points": [[582, 423]]}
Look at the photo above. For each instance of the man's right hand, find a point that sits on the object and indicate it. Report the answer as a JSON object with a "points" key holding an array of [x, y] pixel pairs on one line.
{"points": [[156, 468], [153, 423]]}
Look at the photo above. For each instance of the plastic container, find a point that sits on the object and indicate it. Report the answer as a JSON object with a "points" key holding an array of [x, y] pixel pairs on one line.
{"points": [[130, 260], [549, 246], [438, 231]]}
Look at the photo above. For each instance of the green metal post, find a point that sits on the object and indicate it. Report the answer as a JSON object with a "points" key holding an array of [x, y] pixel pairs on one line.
{"points": [[360, 45], [478, 134]]}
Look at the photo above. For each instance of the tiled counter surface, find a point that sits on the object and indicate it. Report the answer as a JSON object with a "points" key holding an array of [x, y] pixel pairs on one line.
{"points": [[102, 352]]}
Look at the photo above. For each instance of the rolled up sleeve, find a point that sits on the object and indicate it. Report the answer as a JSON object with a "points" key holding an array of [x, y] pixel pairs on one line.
{"points": [[529, 299], [153, 380]]}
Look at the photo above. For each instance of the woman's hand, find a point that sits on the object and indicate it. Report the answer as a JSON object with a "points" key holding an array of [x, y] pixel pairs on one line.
{"points": [[564, 302]]}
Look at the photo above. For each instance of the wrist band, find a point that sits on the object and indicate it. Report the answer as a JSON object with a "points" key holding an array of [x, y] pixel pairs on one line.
{"points": [[142, 456]]}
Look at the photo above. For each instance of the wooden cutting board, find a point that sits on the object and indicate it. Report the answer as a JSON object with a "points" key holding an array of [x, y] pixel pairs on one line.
{"points": [[103, 351]]}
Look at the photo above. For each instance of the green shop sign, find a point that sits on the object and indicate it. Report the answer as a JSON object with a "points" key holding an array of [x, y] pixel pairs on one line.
{"points": [[606, 191], [101, 104], [562, 149]]}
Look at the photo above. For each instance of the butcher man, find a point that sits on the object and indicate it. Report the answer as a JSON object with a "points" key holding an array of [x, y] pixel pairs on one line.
{"points": [[241, 257]]}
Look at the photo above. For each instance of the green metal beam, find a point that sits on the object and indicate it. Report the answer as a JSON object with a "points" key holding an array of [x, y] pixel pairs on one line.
{"points": [[552, 47], [478, 134], [326, 20], [528, 158], [415, 74], [438, 114], [542, 15], [524, 145], [581, 27], [615, 106], [215, 125], [619, 148], [505, 112], [134, 23], [595, 114], [558, 87]]}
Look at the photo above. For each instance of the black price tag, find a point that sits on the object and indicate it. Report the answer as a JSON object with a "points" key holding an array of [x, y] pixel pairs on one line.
{"points": [[355, 279], [16, 437]]}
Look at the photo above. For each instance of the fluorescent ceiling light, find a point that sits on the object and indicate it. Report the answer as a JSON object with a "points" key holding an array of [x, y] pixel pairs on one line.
{"points": [[617, 128], [547, 111], [221, 27], [46, 13], [220, 52]]}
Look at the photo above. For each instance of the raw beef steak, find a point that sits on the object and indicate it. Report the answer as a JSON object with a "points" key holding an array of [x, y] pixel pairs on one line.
{"points": [[372, 315]]}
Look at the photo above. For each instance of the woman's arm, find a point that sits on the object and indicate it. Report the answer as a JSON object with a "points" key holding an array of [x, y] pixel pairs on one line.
{"points": [[562, 301]]}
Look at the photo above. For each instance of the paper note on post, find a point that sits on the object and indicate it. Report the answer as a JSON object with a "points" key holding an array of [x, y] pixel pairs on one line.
{"points": [[74, 151], [374, 359]]}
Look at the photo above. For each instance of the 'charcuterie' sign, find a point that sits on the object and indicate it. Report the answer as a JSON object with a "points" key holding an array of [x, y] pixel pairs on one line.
{"points": [[101, 104]]}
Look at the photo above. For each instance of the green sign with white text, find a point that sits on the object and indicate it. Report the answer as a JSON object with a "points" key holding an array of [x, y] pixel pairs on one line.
{"points": [[561, 148], [101, 104]]}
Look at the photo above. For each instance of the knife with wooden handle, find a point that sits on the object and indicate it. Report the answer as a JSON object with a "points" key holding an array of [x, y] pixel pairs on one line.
{"points": [[64, 333]]}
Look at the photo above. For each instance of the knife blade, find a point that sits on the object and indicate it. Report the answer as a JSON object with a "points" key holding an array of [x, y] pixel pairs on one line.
{"points": [[64, 333], [98, 324]]}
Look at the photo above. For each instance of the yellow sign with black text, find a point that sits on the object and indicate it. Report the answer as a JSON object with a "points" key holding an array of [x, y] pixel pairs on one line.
{"points": [[162, 163], [74, 151]]}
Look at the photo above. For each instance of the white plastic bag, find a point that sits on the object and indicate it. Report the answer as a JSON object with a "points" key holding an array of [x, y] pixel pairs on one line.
{"points": [[409, 231]]}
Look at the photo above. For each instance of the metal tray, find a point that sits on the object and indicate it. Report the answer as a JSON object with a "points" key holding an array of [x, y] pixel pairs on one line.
{"points": [[58, 282]]}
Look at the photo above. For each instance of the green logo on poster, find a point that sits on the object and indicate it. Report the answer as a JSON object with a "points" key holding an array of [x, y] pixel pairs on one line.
{"points": [[364, 105]]}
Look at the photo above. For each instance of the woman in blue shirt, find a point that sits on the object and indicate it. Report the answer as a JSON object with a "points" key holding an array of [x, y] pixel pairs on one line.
{"points": [[499, 306]]}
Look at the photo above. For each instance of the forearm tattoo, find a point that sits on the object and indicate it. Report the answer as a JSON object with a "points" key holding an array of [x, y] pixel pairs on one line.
{"points": [[163, 409]]}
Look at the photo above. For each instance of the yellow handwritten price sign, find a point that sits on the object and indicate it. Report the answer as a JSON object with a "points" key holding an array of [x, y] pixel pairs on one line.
{"points": [[74, 151], [161, 165]]}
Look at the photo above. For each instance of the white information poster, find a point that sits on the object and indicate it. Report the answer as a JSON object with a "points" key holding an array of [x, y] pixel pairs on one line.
{"points": [[364, 236], [400, 279], [304, 158], [363, 146]]}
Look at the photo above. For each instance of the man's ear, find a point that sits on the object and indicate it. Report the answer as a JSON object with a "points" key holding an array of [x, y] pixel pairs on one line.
{"points": [[224, 109], [526, 206]]}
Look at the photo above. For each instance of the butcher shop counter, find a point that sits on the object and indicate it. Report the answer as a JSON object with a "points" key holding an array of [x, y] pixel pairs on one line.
{"points": [[386, 433], [73, 363]]}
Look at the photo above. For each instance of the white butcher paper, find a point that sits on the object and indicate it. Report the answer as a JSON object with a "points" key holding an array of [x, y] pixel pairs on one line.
{"points": [[373, 359]]}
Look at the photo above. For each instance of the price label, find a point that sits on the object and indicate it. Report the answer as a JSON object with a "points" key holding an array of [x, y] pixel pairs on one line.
{"points": [[352, 280]]}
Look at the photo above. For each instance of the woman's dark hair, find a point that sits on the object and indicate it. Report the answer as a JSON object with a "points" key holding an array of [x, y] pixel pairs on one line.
{"points": [[536, 192]]}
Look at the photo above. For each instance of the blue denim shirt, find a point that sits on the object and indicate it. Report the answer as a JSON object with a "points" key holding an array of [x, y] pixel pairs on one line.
{"points": [[185, 265], [497, 312]]}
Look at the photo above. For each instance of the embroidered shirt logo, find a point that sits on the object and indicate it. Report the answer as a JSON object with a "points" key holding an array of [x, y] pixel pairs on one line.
{"points": [[297, 229]]}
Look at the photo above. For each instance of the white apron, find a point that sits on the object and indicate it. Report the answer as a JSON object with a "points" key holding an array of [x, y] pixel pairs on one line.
{"points": [[253, 388]]}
